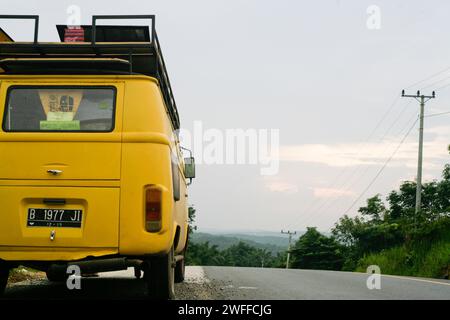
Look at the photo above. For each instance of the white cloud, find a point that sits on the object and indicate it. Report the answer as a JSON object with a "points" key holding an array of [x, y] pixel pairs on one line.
{"points": [[441, 132], [354, 154], [282, 187], [331, 193]]}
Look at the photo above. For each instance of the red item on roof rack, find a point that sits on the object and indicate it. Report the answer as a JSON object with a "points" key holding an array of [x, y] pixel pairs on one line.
{"points": [[74, 34]]}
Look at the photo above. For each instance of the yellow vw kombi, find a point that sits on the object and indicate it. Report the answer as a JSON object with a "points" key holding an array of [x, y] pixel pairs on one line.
{"points": [[91, 170]]}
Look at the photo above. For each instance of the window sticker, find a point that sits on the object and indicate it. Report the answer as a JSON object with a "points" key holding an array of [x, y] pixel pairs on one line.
{"points": [[60, 108]]}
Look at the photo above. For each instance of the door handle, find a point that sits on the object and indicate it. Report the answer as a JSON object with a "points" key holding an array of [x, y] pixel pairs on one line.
{"points": [[54, 172]]}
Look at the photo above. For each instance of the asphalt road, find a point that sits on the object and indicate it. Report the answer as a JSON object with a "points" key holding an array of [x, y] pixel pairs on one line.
{"points": [[242, 283], [257, 283]]}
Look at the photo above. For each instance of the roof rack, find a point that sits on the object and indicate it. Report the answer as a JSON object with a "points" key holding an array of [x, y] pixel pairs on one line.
{"points": [[143, 53]]}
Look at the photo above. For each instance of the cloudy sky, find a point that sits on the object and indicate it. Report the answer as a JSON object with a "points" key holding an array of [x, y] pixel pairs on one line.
{"points": [[327, 74]]}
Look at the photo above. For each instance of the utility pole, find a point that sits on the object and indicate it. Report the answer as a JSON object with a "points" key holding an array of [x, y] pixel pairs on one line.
{"points": [[289, 247], [422, 99]]}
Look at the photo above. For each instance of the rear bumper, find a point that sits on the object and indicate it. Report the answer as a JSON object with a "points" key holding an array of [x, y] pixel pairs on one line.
{"points": [[53, 254]]}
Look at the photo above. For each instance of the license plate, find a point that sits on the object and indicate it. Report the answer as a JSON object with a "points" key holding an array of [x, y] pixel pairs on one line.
{"points": [[54, 218]]}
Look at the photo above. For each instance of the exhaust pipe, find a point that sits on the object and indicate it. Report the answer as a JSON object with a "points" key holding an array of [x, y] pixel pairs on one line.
{"points": [[101, 265]]}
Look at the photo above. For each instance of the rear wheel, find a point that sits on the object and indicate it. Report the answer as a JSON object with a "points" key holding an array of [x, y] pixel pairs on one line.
{"points": [[180, 270], [137, 272], [159, 273], [4, 274]]}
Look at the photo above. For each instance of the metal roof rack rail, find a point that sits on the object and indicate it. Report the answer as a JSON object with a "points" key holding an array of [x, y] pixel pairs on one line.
{"points": [[144, 55]]}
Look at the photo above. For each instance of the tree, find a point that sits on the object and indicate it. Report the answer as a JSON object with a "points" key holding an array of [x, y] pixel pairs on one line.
{"points": [[347, 231], [203, 254], [241, 254], [383, 226], [402, 202], [244, 255], [191, 219], [375, 208], [316, 251], [360, 235]]}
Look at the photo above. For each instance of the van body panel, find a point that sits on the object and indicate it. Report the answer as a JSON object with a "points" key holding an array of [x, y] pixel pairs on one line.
{"points": [[133, 236], [53, 254], [62, 183], [142, 161], [75, 160], [100, 207], [103, 173]]}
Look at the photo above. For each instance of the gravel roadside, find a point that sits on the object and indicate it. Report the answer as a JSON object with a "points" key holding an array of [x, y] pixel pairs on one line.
{"points": [[28, 284]]}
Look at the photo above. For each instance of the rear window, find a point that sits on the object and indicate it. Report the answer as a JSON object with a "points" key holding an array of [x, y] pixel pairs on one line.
{"points": [[56, 109]]}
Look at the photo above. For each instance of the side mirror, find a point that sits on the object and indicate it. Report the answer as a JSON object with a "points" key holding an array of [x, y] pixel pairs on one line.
{"points": [[189, 168]]}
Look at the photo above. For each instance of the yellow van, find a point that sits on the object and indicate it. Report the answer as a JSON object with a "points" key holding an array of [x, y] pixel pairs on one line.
{"points": [[91, 169]]}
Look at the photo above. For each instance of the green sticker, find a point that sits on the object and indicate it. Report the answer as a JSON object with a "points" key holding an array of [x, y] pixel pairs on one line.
{"points": [[103, 105], [60, 125]]}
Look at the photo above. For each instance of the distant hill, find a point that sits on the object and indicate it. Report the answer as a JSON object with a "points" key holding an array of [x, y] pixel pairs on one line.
{"points": [[273, 244]]}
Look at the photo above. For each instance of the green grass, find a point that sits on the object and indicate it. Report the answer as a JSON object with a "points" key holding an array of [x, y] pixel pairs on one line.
{"points": [[421, 259]]}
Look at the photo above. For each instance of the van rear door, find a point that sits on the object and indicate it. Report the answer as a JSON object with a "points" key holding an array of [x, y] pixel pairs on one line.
{"points": [[60, 152]]}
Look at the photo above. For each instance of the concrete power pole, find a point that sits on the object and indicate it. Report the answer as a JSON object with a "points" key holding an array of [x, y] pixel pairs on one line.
{"points": [[422, 99], [289, 247]]}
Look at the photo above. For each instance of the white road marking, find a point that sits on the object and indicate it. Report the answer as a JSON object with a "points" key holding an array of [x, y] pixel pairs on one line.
{"points": [[248, 288], [416, 279], [195, 274], [443, 282]]}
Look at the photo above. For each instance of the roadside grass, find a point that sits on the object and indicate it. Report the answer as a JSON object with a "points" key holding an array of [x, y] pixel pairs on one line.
{"points": [[24, 274], [421, 259]]}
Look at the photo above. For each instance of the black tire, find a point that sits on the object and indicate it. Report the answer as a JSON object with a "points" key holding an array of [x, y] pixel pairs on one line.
{"points": [[180, 270], [4, 274], [159, 273], [137, 272], [57, 274]]}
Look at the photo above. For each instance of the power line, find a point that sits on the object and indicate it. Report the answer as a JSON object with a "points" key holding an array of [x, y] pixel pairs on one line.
{"points": [[395, 121], [345, 169], [349, 186], [444, 86], [381, 169], [313, 203], [328, 202], [428, 78], [391, 107], [350, 181], [436, 114], [399, 133], [434, 83]]}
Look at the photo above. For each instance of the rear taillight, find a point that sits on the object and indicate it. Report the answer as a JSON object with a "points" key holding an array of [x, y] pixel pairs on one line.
{"points": [[153, 204]]}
